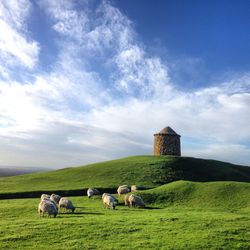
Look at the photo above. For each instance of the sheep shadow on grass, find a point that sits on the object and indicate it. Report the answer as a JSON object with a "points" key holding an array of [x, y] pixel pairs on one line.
{"points": [[137, 209], [80, 213], [152, 208]]}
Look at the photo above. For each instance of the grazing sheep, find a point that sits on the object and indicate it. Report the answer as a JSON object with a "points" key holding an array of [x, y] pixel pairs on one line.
{"points": [[49, 200], [45, 196], [126, 200], [134, 188], [108, 201], [55, 198], [48, 207], [123, 190], [115, 199], [136, 201], [104, 194], [66, 204], [92, 191]]}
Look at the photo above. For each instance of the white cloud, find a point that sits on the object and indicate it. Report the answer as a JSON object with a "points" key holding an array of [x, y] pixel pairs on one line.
{"points": [[67, 20], [21, 106], [73, 115], [16, 48], [15, 12], [94, 32], [237, 153], [59, 143], [140, 74], [110, 30]]}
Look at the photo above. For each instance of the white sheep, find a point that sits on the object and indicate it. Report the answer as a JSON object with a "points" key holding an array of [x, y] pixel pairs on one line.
{"points": [[126, 200], [66, 204], [49, 200], [134, 188], [92, 191], [48, 207], [45, 196], [123, 189], [136, 201], [115, 199], [104, 194], [109, 201], [55, 198]]}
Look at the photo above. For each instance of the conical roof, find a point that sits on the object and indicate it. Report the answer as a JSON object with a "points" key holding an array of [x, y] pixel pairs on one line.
{"points": [[168, 131]]}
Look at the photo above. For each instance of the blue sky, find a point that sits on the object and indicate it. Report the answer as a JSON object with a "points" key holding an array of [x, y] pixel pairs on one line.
{"points": [[87, 81], [212, 33]]}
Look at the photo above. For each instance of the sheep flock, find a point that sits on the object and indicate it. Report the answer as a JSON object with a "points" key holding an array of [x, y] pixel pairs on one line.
{"points": [[51, 205]]}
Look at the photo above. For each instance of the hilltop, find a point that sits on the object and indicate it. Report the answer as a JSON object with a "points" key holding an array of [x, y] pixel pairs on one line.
{"points": [[146, 171]]}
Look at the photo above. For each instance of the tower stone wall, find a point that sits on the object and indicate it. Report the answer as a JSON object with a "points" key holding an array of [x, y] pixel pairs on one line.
{"points": [[167, 142]]}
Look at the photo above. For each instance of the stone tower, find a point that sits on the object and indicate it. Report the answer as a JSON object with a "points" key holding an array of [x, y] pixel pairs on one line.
{"points": [[167, 142]]}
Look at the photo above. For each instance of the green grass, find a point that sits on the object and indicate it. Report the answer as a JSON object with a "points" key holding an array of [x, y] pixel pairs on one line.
{"points": [[93, 227], [229, 196], [201, 207], [148, 171]]}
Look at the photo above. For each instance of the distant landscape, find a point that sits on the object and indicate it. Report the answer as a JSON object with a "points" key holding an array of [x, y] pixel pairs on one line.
{"points": [[13, 170]]}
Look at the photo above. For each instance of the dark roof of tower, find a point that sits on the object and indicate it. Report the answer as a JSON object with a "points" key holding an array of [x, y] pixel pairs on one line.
{"points": [[167, 131]]}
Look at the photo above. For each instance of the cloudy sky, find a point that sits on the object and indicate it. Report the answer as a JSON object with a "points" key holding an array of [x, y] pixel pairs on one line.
{"points": [[87, 81]]}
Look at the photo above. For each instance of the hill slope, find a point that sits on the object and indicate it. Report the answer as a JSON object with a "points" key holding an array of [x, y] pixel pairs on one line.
{"points": [[148, 171], [219, 195]]}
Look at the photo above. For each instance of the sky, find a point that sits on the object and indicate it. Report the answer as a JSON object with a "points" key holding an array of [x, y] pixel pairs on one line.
{"points": [[88, 81]]}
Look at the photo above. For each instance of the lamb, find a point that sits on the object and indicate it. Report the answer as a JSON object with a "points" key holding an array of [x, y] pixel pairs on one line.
{"points": [[48, 207], [66, 204], [136, 201], [92, 191], [108, 201], [45, 196], [115, 199], [123, 189], [55, 198]]}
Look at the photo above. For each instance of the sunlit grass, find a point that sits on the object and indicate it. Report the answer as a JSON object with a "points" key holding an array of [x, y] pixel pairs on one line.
{"points": [[94, 227]]}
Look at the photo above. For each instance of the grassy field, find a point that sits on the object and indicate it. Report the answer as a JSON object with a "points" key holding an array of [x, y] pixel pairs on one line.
{"points": [[192, 204], [148, 171], [183, 222]]}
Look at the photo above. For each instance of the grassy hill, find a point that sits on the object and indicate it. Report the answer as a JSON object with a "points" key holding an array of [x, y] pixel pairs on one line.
{"points": [[147, 171], [228, 196]]}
